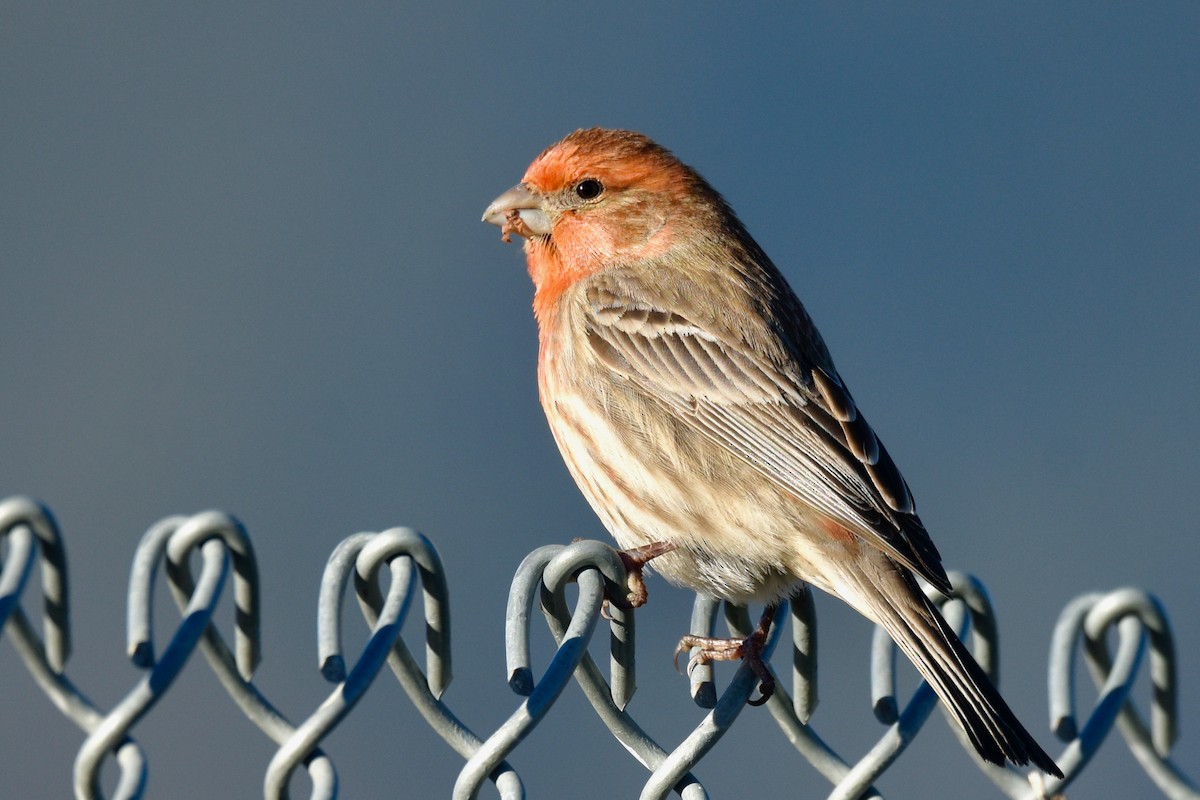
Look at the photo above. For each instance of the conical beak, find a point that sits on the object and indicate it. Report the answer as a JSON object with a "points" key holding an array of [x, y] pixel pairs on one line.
{"points": [[519, 211]]}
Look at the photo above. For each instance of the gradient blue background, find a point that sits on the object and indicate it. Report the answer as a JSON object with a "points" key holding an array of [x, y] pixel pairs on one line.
{"points": [[242, 268]]}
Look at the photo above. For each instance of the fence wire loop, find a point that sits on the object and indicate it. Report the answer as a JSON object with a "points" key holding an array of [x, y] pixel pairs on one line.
{"points": [[1149, 612], [234, 668], [352, 686], [174, 539], [405, 553], [22, 522], [542, 693], [543, 576], [1113, 631], [198, 607], [420, 552], [192, 535], [1138, 619]]}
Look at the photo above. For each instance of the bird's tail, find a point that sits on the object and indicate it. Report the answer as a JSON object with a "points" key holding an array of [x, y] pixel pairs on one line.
{"points": [[894, 601]]}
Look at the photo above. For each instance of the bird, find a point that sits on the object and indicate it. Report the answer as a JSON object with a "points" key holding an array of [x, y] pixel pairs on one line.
{"points": [[699, 411]]}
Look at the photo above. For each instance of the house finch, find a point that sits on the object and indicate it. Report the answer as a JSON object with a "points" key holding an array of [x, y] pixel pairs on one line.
{"points": [[699, 411]]}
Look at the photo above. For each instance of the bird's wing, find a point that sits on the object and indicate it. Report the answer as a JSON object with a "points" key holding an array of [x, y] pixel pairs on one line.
{"points": [[794, 422]]}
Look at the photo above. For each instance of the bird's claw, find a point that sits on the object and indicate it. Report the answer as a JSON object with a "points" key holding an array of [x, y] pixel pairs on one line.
{"points": [[634, 560], [749, 650]]}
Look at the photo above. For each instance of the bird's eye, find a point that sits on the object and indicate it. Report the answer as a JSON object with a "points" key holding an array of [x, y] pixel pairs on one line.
{"points": [[588, 189]]}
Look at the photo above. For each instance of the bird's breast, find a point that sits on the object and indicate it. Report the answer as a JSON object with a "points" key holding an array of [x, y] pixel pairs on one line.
{"points": [[651, 477]]}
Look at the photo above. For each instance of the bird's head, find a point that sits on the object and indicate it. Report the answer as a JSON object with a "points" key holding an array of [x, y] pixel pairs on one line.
{"points": [[596, 199]]}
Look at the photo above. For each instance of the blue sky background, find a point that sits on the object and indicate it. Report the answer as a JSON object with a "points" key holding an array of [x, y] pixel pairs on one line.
{"points": [[242, 268]]}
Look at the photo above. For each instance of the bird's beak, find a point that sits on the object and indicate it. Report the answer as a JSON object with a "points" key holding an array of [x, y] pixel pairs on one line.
{"points": [[519, 211]]}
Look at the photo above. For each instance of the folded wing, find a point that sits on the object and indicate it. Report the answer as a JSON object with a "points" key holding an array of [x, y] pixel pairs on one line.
{"points": [[793, 421]]}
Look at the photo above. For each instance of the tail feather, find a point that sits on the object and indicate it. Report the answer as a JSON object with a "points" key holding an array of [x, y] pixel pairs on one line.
{"points": [[896, 602]]}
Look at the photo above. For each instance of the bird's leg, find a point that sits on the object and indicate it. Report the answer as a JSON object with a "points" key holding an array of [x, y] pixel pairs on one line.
{"points": [[749, 650], [635, 560]]}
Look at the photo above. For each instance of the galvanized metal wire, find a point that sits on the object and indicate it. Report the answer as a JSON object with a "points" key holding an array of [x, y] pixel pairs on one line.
{"points": [[385, 569]]}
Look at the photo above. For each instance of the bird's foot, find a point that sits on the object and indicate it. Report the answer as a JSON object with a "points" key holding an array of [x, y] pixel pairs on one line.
{"points": [[748, 650], [635, 560]]}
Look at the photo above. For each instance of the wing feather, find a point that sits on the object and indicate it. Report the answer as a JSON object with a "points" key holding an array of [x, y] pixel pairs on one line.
{"points": [[794, 422]]}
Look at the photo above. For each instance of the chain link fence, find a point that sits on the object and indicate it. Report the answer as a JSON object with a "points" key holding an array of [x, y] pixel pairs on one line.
{"points": [[386, 568]]}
